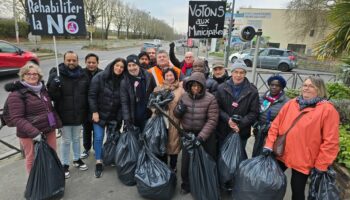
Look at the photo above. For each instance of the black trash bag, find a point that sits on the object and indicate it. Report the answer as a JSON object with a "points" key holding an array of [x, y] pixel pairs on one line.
{"points": [[260, 133], [162, 98], [230, 156], [126, 156], [109, 147], [155, 135], [203, 177], [259, 178], [155, 180], [46, 179], [322, 185]]}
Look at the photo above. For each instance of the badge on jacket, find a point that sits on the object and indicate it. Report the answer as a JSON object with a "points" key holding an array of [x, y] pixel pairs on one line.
{"points": [[234, 104]]}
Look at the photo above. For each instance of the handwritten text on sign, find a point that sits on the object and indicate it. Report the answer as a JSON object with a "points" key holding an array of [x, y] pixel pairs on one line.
{"points": [[206, 19], [56, 17]]}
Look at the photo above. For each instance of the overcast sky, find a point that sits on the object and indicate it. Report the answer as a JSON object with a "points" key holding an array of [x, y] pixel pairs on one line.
{"points": [[177, 10]]}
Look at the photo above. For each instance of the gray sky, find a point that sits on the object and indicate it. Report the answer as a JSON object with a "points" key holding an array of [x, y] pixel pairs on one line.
{"points": [[177, 10]]}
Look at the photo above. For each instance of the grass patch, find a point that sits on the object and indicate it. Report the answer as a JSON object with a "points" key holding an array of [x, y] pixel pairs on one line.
{"points": [[217, 54]]}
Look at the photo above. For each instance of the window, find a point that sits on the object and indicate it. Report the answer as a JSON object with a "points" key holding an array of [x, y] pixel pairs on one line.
{"points": [[275, 52], [7, 48], [264, 52], [273, 45]]}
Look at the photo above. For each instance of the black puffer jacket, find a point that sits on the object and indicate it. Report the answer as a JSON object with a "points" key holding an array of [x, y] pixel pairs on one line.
{"points": [[104, 95], [128, 98], [248, 107], [70, 100]]}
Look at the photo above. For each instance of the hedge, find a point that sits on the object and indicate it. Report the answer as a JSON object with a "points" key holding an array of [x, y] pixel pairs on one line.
{"points": [[7, 28]]}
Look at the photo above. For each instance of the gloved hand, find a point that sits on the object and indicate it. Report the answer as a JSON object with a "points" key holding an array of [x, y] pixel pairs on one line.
{"points": [[127, 125], [191, 141], [172, 45], [57, 81], [267, 151], [38, 138], [182, 108]]}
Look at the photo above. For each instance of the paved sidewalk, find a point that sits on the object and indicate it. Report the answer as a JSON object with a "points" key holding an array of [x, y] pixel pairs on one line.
{"points": [[83, 184]]}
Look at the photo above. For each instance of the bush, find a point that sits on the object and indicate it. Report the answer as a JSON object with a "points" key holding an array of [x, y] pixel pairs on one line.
{"points": [[292, 93], [344, 144], [338, 91], [7, 28]]}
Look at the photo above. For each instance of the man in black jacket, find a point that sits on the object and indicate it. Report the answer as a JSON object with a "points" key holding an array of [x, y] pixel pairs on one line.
{"points": [[185, 65], [69, 93], [135, 90], [91, 69], [237, 96]]}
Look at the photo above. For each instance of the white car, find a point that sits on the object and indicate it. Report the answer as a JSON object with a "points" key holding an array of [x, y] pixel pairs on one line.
{"points": [[239, 55]]}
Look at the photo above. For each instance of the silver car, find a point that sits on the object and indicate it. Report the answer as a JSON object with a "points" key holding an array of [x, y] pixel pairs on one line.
{"points": [[273, 58]]}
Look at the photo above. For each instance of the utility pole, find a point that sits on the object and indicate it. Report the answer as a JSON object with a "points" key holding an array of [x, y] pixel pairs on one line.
{"points": [[15, 18], [227, 52], [257, 47]]}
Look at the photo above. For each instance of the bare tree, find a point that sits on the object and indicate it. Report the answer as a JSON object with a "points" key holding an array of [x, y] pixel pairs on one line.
{"points": [[93, 10], [129, 12], [119, 16], [307, 17], [108, 13]]}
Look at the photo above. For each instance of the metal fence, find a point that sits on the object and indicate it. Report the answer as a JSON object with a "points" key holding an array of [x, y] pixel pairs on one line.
{"points": [[294, 79]]}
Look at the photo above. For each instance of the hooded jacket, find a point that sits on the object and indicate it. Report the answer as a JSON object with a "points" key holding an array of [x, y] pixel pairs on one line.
{"points": [[70, 100], [201, 116], [245, 105], [314, 139], [104, 95], [29, 112]]}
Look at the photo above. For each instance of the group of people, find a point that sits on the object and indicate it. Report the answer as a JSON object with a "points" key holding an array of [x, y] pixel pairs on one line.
{"points": [[203, 105]]}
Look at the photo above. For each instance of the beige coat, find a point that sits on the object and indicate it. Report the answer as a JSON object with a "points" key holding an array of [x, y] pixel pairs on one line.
{"points": [[174, 145]]}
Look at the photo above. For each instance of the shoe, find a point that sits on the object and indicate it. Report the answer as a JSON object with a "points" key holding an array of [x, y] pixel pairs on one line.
{"points": [[98, 170], [80, 164], [85, 154], [66, 171]]}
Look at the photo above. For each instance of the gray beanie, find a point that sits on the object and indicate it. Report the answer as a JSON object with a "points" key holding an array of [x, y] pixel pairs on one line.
{"points": [[238, 64]]}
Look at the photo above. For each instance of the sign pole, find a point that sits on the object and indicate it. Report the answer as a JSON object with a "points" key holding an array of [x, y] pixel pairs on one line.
{"points": [[55, 47], [255, 60], [227, 49]]}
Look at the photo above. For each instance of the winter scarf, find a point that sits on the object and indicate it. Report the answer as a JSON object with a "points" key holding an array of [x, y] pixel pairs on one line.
{"points": [[303, 103], [185, 67], [34, 88], [269, 100]]}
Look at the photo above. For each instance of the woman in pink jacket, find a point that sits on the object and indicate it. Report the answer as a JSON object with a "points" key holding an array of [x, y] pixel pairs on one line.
{"points": [[313, 142]]}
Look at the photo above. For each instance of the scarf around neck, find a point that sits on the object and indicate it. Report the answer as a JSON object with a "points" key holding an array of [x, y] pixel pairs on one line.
{"points": [[303, 103], [185, 67], [34, 88], [269, 100]]}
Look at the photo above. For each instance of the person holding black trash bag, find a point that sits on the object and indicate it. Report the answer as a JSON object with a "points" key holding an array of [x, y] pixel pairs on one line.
{"points": [[311, 126], [237, 96], [31, 111], [136, 88], [172, 84], [198, 112], [270, 104], [105, 105], [68, 87]]}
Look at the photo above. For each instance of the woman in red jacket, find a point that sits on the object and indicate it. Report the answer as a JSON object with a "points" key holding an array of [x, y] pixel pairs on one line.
{"points": [[31, 112], [313, 142]]}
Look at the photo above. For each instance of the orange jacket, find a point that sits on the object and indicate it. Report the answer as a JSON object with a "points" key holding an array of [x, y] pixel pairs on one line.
{"points": [[313, 141], [158, 74]]}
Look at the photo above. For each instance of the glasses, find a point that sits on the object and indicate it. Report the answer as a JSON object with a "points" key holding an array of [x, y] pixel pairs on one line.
{"points": [[309, 86], [32, 74]]}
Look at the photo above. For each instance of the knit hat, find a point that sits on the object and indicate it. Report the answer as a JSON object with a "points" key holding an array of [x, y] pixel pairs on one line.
{"points": [[279, 78], [132, 58], [238, 64], [217, 64], [143, 54]]}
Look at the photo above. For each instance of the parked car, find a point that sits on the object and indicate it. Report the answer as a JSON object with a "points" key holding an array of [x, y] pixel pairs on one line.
{"points": [[240, 54], [273, 58], [12, 58], [149, 45]]}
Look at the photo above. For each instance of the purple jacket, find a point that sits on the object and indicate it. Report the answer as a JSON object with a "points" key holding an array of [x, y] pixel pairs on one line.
{"points": [[29, 112]]}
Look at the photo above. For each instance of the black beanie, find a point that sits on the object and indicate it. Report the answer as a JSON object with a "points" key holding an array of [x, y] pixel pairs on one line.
{"points": [[132, 58]]}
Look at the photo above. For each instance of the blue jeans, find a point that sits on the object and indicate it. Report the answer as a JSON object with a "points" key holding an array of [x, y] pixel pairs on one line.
{"points": [[70, 135], [99, 133]]}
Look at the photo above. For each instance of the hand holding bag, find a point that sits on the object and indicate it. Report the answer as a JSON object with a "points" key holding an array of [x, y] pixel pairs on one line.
{"points": [[280, 143]]}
